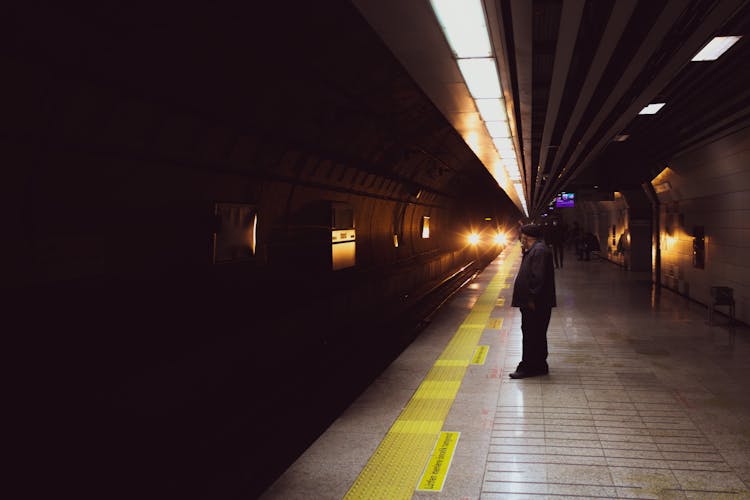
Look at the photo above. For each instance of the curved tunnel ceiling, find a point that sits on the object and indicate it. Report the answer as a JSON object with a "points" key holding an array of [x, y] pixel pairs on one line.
{"points": [[313, 77], [577, 73]]}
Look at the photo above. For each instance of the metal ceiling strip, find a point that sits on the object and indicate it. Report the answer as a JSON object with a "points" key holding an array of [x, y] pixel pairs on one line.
{"points": [[570, 22], [618, 20], [650, 45], [521, 15]]}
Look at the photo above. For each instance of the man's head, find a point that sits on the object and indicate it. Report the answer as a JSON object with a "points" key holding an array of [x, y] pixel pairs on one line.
{"points": [[529, 234]]}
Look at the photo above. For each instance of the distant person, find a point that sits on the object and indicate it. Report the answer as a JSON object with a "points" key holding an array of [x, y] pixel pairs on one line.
{"points": [[556, 239], [534, 294], [589, 243], [574, 236]]}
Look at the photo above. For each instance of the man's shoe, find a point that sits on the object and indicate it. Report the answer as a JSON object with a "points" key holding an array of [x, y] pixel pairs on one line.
{"points": [[526, 373]]}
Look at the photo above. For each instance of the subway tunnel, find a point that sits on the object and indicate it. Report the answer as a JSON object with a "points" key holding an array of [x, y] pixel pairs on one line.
{"points": [[232, 219]]}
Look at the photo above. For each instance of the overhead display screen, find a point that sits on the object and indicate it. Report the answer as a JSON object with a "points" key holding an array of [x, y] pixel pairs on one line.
{"points": [[565, 200]]}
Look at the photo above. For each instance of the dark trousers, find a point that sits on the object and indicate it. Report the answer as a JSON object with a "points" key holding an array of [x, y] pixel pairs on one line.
{"points": [[557, 252], [534, 328]]}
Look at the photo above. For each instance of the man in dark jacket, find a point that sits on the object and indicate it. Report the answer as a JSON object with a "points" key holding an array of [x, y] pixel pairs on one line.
{"points": [[534, 293]]}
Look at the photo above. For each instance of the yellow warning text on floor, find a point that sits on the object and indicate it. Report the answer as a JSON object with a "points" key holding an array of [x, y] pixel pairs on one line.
{"points": [[495, 323], [437, 468], [480, 354], [501, 301]]}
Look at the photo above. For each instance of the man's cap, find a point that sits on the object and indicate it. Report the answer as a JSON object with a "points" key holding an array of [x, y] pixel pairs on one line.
{"points": [[533, 230]]}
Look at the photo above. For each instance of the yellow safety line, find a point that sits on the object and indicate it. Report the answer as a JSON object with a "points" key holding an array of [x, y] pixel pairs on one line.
{"points": [[397, 464]]}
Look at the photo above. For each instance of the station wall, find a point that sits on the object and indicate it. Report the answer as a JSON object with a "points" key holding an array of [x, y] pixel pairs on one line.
{"points": [[707, 190], [703, 191]]}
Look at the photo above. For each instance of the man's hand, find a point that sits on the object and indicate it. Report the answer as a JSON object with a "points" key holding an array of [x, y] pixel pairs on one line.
{"points": [[532, 306]]}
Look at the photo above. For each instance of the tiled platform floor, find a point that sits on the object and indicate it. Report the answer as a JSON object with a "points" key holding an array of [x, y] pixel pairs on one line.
{"points": [[644, 400]]}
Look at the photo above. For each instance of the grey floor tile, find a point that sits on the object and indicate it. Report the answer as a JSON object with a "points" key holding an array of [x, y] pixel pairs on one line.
{"points": [[698, 466], [574, 450], [563, 434], [517, 441], [693, 456], [457, 485], [547, 458], [312, 481], [521, 449], [625, 445], [591, 475], [725, 482], [638, 463], [515, 487], [516, 433], [649, 493]]}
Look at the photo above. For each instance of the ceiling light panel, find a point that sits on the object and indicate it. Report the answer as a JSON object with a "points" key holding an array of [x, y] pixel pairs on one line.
{"points": [[652, 108], [715, 48], [503, 144], [491, 109], [519, 192], [498, 129], [464, 26], [481, 77]]}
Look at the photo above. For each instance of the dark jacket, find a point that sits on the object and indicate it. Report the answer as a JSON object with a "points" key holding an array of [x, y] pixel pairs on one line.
{"points": [[535, 280]]}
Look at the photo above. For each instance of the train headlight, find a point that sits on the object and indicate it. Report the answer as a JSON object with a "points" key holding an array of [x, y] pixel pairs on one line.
{"points": [[501, 239], [474, 238]]}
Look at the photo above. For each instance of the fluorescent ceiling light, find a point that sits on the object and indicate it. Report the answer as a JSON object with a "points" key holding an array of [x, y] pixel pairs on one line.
{"points": [[491, 109], [503, 144], [481, 77], [511, 165], [498, 129], [715, 48], [514, 175], [652, 108], [464, 27]]}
